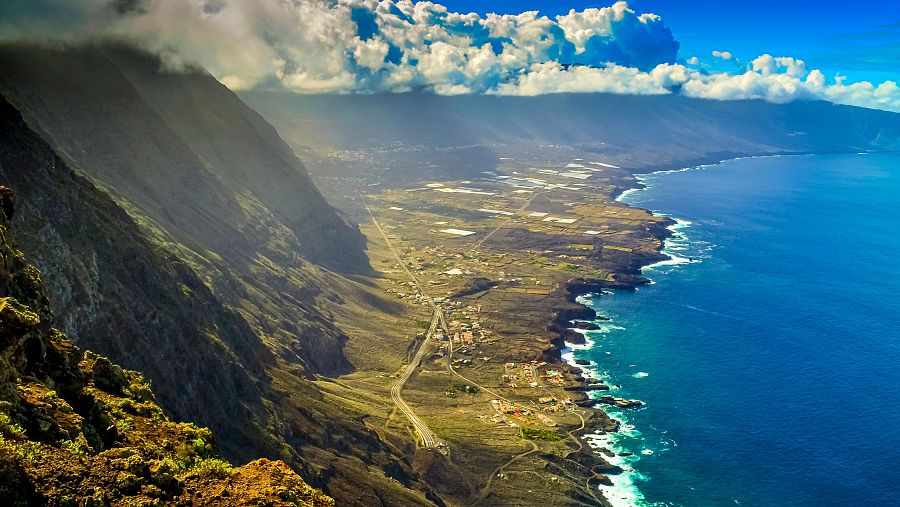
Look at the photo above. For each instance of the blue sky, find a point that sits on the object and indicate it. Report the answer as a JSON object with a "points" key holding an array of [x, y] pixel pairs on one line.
{"points": [[860, 39]]}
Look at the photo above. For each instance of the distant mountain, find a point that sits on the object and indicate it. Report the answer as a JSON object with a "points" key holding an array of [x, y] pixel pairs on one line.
{"points": [[466, 134], [181, 237]]}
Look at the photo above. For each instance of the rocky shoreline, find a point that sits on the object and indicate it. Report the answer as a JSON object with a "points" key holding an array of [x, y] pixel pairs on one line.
{"points": [[574, 315]]}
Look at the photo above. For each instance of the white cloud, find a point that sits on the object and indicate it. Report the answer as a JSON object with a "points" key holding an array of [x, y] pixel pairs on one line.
{"points": [[780, 83], [551, 77], [785, 79], [313, 46], [768, 64], [355, 45]]}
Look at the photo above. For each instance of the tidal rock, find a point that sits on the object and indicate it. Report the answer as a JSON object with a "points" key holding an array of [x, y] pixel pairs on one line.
{"points": [[606, 468], [619, 402], [599, 480], [583, 324]]}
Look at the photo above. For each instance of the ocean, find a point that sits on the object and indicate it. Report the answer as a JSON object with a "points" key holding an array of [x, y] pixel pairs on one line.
{"points": [[767, 353]]}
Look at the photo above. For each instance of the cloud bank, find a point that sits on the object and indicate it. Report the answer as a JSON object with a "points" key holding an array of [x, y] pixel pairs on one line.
{"points": [[315, 46]]}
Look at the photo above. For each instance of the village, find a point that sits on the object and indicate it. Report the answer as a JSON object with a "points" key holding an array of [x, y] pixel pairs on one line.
{"points": [[492, 255]]}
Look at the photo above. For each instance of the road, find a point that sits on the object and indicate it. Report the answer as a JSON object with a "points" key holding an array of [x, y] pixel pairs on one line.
{"points": [[421, 428], [427, 437], [510, 217], [453, 371], [486, 490]]}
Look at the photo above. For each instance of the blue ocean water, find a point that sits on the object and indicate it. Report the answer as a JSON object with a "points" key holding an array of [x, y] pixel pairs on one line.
{"points": [[770, 366]]}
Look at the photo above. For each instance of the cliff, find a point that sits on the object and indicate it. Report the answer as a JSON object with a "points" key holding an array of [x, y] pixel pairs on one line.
{"points": [[230, 325], [76, 429]]}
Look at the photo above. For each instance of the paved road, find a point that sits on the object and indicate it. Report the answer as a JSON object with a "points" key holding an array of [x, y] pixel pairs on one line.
{"points": [[421, 428], [428, 440], [470, 381]]}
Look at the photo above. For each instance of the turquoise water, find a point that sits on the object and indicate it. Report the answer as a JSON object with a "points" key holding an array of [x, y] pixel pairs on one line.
{"points": [[770, 366]]}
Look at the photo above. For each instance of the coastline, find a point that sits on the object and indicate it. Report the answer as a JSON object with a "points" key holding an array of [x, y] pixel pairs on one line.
{"points": [[540, 275], [620, 488], [675, 333], [579, 287]]}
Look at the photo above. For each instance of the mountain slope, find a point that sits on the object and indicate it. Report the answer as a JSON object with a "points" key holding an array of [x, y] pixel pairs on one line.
{"points": [[108, 279], [180, 147], [76, 429], [247, 251], [589, 120], [229, 326]]}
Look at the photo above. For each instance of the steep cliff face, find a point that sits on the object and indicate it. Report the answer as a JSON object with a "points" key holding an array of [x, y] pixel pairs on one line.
{"points": [[245, 153], [76, 429], [202, 176], [108, 278], [229, 326], [178, 146]]}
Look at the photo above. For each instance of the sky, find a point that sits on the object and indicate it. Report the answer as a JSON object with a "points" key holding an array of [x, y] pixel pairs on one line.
{"points": [[859, 39], [782, 51]]}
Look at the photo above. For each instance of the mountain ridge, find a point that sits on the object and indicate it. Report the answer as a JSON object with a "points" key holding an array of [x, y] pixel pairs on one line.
{"points": [[416, 135]]}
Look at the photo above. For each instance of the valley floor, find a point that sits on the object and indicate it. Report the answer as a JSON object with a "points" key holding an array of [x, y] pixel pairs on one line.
{"points": [[487, 271]]}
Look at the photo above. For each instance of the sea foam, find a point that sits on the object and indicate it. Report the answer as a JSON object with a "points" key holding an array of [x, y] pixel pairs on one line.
{"points": [[624, 491]]}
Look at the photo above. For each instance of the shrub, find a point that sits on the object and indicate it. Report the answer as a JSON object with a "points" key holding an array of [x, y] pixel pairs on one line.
{"points": [[540, 434], [211, 468]]}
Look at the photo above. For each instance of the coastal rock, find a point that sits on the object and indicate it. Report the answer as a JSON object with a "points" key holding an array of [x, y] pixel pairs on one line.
{"points": [[583, 362], [599, 480], [619, 402], [586, 325], [581, 286], [600, 423], [560, 326], [572, 336], [606, 468], [565, 314]]}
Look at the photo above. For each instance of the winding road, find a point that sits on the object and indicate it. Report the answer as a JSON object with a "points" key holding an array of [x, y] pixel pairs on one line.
{"points": [[427, 437], [426, 434]]}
